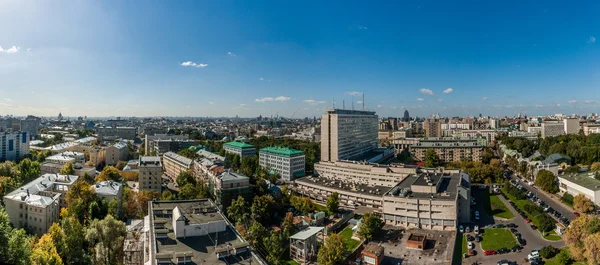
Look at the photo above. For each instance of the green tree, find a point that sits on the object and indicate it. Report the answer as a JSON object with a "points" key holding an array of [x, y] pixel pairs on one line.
{"points": [[371, 223], [582, 204], [184, 178], [238, 211], [68, 169], [44, 252], [546, 181], [193, 191], [5, 230], [544, 222], [189, 153], [549, 252], [332, 251], [236, 163], [19, 247], [68, 237], [249, 165], [256, 232], [572, 169], [167, 196], [109, 173], [106, 237], [274, 247], [287, 226], [261, 208], [302, 204], [432, 159], [333, 203], [28, 170], [78, 198]]}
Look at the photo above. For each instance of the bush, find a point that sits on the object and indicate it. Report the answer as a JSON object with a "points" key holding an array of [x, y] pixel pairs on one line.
{"points": [[512, 190], [563, 258], [549, 252], [567, 198]]}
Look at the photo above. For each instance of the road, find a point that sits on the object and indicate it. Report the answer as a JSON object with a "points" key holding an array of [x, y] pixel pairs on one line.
{"points": [[532, 237], [554, 203]]}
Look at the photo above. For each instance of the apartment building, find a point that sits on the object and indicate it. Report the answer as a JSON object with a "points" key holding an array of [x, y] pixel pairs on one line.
{"points": [[54, 168], [552, 128], [364, 173], [591, 128], [109, 190], [449, 150], [96, 156], [151, 142], [116, 152], [13, 145], [571, 125], [36, 205], [150, 173], [113, 133], [494, 123], [347, 134], [31, 125], [174, 164], [66, 157], [288, 163], [239, 148], [488, 135], [433, 128]]}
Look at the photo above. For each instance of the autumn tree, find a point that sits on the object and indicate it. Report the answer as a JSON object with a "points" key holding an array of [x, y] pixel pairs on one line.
{"points": [[287, 226], [44, 252], [582, 204], [580, 229], [370, 224], [120, 165], [106, 238], [546, 181], [79, 196], [68, 237], [68, 169], [332, 251], [109, 173], [333, 203], [136, 203]]}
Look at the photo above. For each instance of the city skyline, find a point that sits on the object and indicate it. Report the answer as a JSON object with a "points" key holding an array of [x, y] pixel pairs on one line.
{"points": [[249, 59]]}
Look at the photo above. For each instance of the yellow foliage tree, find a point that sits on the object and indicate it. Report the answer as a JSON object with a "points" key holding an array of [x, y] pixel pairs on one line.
{"points": [[44, 252]]}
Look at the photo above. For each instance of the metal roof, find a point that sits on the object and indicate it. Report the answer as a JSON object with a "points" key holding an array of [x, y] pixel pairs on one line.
{"points": [[308, 232]]}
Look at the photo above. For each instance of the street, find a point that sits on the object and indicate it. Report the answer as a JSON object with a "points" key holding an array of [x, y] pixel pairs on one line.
{"points": [[532, 237], [566, 211]]}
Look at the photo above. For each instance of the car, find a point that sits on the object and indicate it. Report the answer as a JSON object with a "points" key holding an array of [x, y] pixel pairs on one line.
{"points": [[503, 262], [533, 255], [527, 220], [461, 229], [518, 235], [514, 231], [499, 226], [483, 187], [516, 248], [470, 245], [476, 229], [512, 225], [522, 241], [536, 262], [576, 214], [534, 227], [467, 229], [503, 250], [477, 238], [470, 238], [489, 252]]}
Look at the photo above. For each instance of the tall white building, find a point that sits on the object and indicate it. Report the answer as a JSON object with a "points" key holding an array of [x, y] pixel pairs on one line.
{"points": [[552, 128], [571, 125], [289, 163], [13, 145], [346, 134], [494, 123]]}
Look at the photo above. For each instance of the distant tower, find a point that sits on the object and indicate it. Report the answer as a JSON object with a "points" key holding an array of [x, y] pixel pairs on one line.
{"points": [[60, 117], [406, 116]]}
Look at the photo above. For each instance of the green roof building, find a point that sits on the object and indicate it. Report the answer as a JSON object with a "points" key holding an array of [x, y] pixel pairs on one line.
{"points": [[288, 163], [240, 148]]}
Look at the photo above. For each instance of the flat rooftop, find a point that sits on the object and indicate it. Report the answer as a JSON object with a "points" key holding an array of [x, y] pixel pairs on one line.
{"points": [[345, 185], [446, 183], [583, 179]]}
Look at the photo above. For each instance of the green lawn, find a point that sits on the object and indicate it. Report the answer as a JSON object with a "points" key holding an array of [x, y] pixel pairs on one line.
{"points": [[350, 243], [498, 209], [497, 238], [554, 261], [465, 249], [552, 236]]}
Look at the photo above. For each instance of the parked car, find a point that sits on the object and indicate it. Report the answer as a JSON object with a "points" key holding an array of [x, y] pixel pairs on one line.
{"points": [[514, 231], [516, 248], [503, 262], [527, 220], [476, 229], [576, 214], [499, 226], [522, 241], [512, 225], [503, 250], [489, 252], [533, 255], [461, 229], [470, 245], [534, 227], [477, 238], [470, 238], [467, 229]]}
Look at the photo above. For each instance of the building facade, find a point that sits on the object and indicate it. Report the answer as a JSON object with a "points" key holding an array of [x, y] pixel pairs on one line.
{"points": [[449, 150], [116, 152], [113, 133], [288, 163], [31, 125], [239, 148], [13, 145], [364, 173], [174, 164], [552, 128], [346, 134], [54, 168], [571, 125], [433, 128], [150, 173]]}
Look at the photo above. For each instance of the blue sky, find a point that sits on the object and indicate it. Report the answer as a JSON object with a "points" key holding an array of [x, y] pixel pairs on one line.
{"points": [[227, 58]]}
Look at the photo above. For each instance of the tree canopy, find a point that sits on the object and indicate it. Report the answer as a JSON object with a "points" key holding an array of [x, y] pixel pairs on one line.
{"points": [[582, 204], [546, 181], [432, 159], [332, 252], [109, 173], [68, 169], [333, 203], [106, 237], [371, 223]]}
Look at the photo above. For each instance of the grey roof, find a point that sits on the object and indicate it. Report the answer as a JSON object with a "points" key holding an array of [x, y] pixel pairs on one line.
{"points": [[108, 187], [306, 233], [29, 192], [553, 158], [230, 176], [149, 160], [120, 145], [178, 158]]}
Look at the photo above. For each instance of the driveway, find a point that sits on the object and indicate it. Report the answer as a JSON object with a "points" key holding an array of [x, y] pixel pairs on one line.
{"points": [[532, 237], [566, 211]]}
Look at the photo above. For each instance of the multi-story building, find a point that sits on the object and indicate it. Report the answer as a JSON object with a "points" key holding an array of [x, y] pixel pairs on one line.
{"points": [[151, 142], [347, 134], [449, 150], [433, 128], [240, 148], [406, 116], [109, 190], [13, 145], [36, 205], [227, 186], [488, 135], [552, 128], [288, 163], [66, 157], [571, 125], [113, 133], [116, 152], [591, 128], [494, 123], [364, 173], [174, 164], [456, 126], [96, 156], [31, 125], [582, 183], [186, 232], [171, 145], [150, 173], [54, 168]]}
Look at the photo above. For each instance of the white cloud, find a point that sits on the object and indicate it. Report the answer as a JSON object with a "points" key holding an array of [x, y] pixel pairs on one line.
{"points": [[420, 99], [558, 104], [7, 99], [13, 49], [354, 93], [440, 100], [193, 64], [484, 98], [589, 101], [362, 27], [572, 101], [261, 79], [241, 106], [314, 102], [592, 39], [231, 54], [211, 103], [359, 102], [379, 106], [448, 90], [271, 99], [426, 91]]}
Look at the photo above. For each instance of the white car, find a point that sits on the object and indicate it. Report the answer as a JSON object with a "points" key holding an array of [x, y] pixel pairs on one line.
{"points": [[476, 229], [471, 245], [533, 255]]}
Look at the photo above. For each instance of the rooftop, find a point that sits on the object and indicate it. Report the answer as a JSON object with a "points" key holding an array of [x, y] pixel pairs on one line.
{"points": [[179, 158], [446, 186], [149, 160], [351, 112], [239, 144], [345, 186], [307, 233], [109, 187], [53, 183], [585, 180], [232, 176], [373, 249], [282, 151]]}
